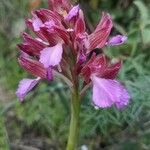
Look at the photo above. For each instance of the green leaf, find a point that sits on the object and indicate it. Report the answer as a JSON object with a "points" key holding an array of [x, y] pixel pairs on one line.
{"points": [[146, 35], [143, 12]]}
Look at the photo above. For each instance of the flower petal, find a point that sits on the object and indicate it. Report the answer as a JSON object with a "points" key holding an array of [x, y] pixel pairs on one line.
{"points": [[29, 24], [46, 15], [33, 66], [25, 86], [73, 13], [51, 56], [108, 92], [96, 65], [80, 23], [31, 46], [63, 34], [99, 37], [37, 23], [111, 71], [50, 35], [117, 40]]}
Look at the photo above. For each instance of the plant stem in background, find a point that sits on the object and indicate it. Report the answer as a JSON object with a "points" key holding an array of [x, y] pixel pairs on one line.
{"points": [[74, 124]]}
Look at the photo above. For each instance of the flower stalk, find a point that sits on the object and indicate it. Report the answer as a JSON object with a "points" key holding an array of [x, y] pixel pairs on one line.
{"points": [[74, 123]]}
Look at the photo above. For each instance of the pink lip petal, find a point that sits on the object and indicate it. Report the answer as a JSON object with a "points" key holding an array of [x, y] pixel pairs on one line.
{"points": [[108, 92], [25, 86], [100, 98], [51, 56]]}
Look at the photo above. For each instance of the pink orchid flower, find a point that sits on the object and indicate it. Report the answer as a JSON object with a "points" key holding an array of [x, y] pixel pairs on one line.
{"points": [[61, 46], [106, 90]]}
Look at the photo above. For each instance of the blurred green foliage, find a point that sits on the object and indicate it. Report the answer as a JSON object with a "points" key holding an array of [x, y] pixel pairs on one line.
{"points": [[46, 109], [3, 134]]}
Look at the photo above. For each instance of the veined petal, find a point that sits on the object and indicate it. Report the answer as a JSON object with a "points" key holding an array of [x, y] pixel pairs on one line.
{"points": [[51, 56], [117, 40], [96, 65], [54, 33], [49, 24], [25, 86], [124, 101], [108, 92], [28, 39], [111, 71], [101, 96], [50, 35], [73, 13], [99, 37], [37, 23], [63, 34], [47, 15], [31, 46], [29, 24], [80, 23], [33, 66]]}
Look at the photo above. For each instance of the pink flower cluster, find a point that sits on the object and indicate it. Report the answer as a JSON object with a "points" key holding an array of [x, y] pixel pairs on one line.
{"points": [[61, 45]]}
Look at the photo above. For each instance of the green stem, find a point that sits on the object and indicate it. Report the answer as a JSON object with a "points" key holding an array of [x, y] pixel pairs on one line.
{"points": [[74, 123]]}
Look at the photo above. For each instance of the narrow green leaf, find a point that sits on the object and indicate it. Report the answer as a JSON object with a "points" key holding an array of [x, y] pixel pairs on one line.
{"points": [[143, 12]]}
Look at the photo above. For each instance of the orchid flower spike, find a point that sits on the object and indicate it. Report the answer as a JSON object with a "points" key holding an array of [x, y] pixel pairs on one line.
{"points": [[61, 46]]}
